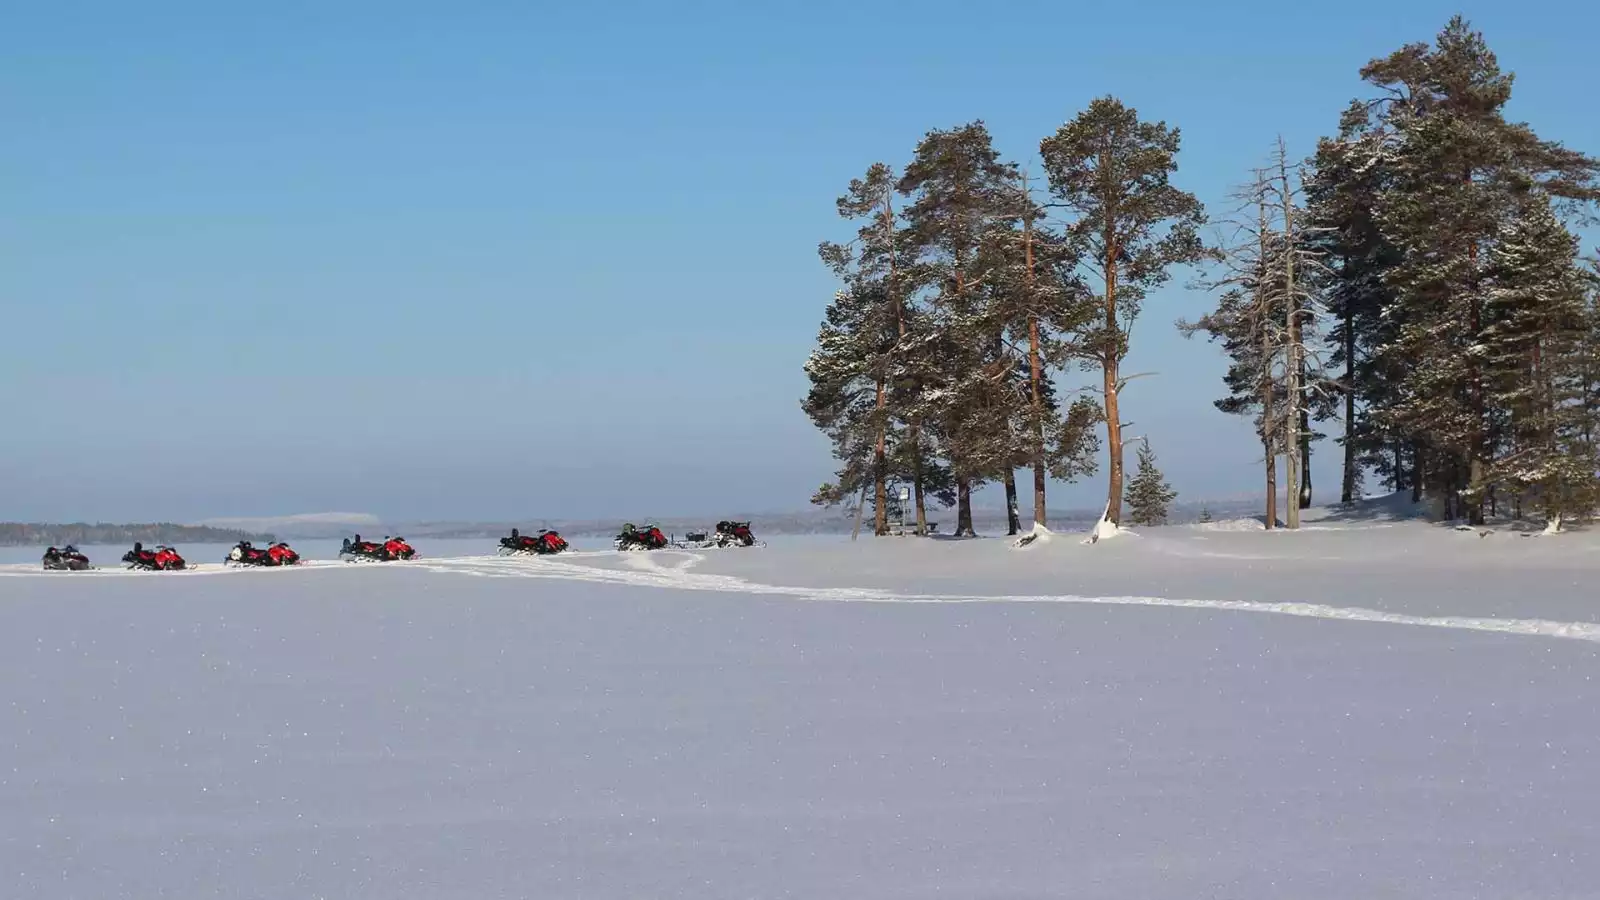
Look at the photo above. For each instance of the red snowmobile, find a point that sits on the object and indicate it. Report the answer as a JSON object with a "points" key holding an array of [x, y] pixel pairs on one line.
{"points": [[647, 538], [161, 559], [391, 549], [735, 534], [246, 554], [543, 544]]}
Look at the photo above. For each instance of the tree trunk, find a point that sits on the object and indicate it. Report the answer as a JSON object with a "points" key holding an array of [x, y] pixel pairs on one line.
{"points": [[964, 508], [1347, 491], [1038, 494], [1272, 485], [1013, 521], [1035, 369], [861, 506], [1480, 433], [1269, 428], [916, 479], [1305, 444], [880, 466], [1292, 362], [1416, 472], [1111, 360], [1267, 436]]}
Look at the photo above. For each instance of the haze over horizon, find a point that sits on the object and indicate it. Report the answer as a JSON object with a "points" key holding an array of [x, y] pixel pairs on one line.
{"points": [[561, 260]]}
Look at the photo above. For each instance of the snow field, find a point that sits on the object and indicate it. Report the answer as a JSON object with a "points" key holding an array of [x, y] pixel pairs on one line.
{"points": [[815, 719]]}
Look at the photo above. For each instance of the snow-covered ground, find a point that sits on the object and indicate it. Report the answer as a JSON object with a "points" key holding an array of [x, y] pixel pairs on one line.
{"points": [[1362, 709]]}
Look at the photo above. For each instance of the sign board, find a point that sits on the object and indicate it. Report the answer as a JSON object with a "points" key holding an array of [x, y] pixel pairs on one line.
{"points": [[905, 493]]}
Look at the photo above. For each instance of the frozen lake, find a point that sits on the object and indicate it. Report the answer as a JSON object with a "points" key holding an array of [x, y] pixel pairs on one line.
{"points": [[793, 722]]}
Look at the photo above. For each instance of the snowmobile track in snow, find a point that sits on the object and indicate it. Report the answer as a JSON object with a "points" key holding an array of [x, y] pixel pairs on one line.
{"points": [[650, 570]]}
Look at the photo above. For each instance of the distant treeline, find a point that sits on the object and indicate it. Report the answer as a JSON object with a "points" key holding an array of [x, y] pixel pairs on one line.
{"points": [[27, 534]]}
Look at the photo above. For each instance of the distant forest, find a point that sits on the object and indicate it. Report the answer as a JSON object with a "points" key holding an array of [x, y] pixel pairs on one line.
{"points": [[28, 534]]}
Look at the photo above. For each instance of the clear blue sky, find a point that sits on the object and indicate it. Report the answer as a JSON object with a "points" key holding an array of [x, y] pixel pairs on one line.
{"points": [[499, 260]]}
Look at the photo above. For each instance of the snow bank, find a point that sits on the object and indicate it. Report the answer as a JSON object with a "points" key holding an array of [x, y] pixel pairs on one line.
{"points": [[648, 725], [1037, 537], [1245, 524]]}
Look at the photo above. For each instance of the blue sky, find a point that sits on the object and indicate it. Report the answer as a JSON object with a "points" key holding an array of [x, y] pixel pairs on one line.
{"points": [[501, 260]]}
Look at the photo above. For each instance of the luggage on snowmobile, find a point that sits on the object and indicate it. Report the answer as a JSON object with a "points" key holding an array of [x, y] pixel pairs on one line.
{"points": [[66, 559], [246, 554], [727, 534], [736, 534], [391, 549], [647, 538], [161, 559], [544, 543]]}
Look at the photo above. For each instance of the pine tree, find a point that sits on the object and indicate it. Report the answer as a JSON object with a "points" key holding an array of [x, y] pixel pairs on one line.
{"points": [[1043, 305], [858, 343], [1112, 172], [1533, 365], [1250, 321], [1343, 186], [1456, 172], [961, 194], [1149, 495], [1266, 320], [845, 375]]}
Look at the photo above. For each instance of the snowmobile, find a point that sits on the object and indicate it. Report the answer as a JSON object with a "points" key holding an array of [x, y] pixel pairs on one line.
{"points": [[246, 554], [66, 559], [736, 534], [161, 559], [544, 544], [647, 538], [391, 549], [728, 534]]}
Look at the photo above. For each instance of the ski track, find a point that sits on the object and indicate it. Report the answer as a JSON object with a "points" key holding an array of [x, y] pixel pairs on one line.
{"points": [[644, 569]]}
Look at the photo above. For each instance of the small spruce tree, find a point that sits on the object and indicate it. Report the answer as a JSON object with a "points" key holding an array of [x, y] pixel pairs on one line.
{"points": [[1149, 495]]}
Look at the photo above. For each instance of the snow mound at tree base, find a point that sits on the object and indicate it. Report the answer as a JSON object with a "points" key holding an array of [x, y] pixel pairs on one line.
{"points": [[1105, 528], [1038, 536]]}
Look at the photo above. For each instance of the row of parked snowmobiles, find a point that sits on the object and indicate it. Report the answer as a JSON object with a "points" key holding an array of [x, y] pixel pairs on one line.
{"points": [[167, 559], [650, 537], [71, 559], [545, 543]]}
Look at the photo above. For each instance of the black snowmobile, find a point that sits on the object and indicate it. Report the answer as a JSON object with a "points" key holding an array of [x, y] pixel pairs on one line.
{"points": [[647, 538], [66, 559], [545, 543]]}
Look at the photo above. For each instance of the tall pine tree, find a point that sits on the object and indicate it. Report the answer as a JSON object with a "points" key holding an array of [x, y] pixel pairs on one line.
{"points": [[855, 363], [1534, 368], [1112, 172], [1457, 172], [960, 193]]}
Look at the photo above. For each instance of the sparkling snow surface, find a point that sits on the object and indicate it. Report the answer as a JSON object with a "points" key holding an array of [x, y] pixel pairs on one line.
{"points": [[1141, 718]]}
